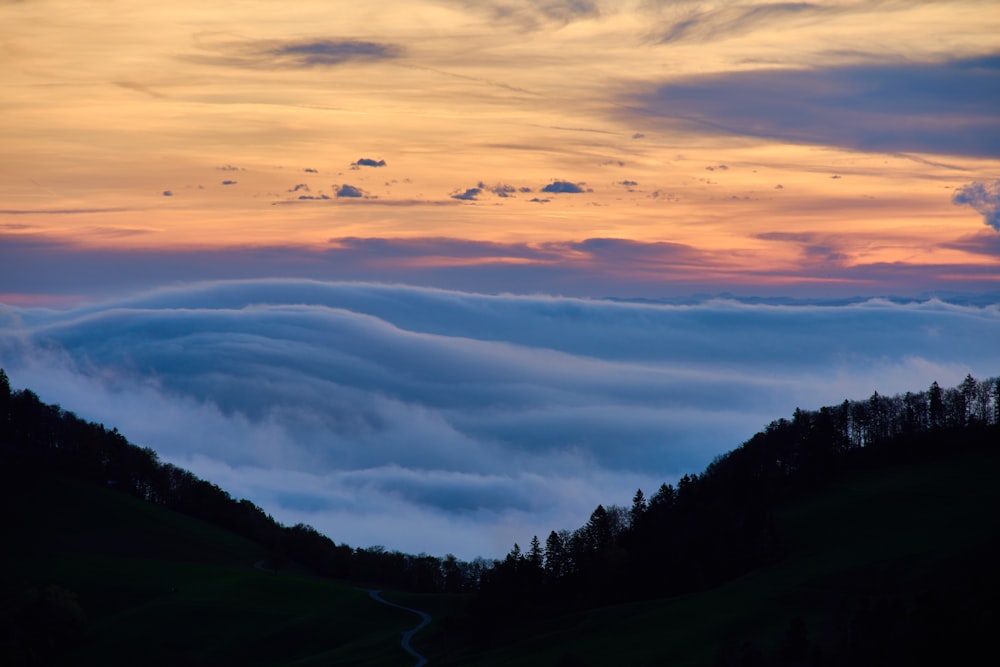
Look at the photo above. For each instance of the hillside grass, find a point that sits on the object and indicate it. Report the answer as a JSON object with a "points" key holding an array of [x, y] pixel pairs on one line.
{"points": [[879, 532], [160, 588]]}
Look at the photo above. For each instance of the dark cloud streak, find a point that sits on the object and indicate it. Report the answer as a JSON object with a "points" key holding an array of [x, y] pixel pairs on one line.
{"points": [[303, 54], [943, 108]]}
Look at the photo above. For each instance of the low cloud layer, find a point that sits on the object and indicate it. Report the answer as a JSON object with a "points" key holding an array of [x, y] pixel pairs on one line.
{"points": [[438, 421]]}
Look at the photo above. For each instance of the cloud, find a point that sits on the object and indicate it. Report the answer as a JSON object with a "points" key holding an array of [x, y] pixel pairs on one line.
{"points": [[983, 243], [300, 186], [503, 190], [346, 190], [729, 21], [332, 52], [984, 198], [310, 170], [302, 54], [369, 162], [815, 247], [228, 182], [61, 211], [139, 88], [534, 14], [938, 107], [168, 193], [469, 195], [613, 267], [562, 187], [480, 419]]}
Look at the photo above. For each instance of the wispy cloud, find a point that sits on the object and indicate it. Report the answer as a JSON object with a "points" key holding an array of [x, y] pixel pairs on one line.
{"points": [[816, 247], [139, 88], [300, 54], [534, 14], [61, 211], [730, 20]]}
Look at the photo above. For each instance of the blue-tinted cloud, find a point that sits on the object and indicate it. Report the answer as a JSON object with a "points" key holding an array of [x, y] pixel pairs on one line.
{"points": [[562, 187], [946, 108], [504, 190], [349, 191], [479, 419], [470, 194], [984, 198], [369, 162], [332, 52]]}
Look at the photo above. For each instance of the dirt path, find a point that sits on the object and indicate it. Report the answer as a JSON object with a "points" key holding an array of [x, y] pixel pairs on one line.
{"points": [[425, 618]]}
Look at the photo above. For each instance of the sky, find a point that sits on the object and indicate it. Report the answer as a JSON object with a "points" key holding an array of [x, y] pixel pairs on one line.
{"points": [[440, 275]]}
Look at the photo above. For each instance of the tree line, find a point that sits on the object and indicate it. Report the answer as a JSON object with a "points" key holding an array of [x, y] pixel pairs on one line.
{"points": [[711, 527], [38, 439]]}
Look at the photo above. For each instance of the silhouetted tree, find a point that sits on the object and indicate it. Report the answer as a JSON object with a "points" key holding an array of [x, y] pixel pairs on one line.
{"points": [[638, 508], [556, 556], [935, 406], [535, 555]]}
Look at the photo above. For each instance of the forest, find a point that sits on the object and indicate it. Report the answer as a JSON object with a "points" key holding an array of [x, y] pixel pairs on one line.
{"points": [[681, 538]]}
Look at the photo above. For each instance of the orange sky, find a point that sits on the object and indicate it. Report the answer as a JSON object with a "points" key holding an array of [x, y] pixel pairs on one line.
{"points": [[201, 124]]}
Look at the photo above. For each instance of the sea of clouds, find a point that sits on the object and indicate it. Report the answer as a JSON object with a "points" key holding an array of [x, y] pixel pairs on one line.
{"points": [[438, 421]]}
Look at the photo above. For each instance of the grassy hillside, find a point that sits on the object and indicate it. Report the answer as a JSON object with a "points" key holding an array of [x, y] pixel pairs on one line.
{"points": [[877, 538], [125, 582]]}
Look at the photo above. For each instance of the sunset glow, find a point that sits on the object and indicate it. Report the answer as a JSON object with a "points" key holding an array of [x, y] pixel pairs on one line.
{"points": [[236, 124]]}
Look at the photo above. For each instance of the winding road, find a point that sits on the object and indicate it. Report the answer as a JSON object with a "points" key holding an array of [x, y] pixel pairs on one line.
{"points": [[425, 618]]}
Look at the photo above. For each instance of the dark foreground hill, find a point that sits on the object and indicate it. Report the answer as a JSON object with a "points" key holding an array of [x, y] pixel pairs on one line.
{"points": [[863, 533], [92, 576], [893, 565]]}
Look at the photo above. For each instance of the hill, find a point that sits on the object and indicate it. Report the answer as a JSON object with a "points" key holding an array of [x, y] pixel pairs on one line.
{"points": [[891, 565], [92, 576], [856, 534]]}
